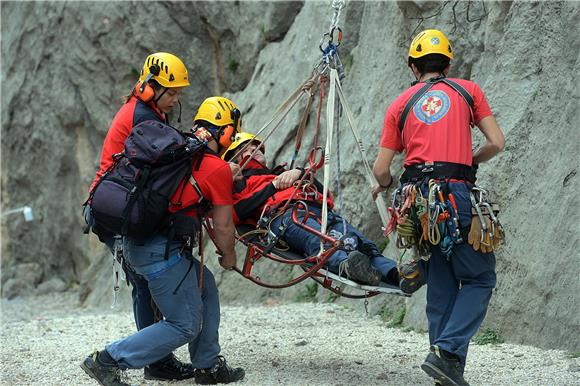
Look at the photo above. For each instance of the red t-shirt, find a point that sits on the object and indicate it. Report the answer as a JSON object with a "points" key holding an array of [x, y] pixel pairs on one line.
{"points": [[437, 127], [257, 191], [215, 180]]}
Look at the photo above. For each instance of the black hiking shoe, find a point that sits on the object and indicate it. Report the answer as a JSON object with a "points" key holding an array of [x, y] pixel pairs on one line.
{"points": [[359, 268], [410, 277], [169, 370], [221, 372], [106, 375], [443, 368]]}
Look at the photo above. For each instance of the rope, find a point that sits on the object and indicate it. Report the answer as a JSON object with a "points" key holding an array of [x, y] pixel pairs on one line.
{"points": [[302, 126], [381, 206], [280, 114], [338, 173], [337, 5], [330, 110]]}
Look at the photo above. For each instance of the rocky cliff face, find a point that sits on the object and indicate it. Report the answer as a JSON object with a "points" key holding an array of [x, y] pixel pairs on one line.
{"points": [[64, 66]]}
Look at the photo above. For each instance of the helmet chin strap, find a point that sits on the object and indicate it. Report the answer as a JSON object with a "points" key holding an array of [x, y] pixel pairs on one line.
{"points": [[179, 117], [160, 95]]}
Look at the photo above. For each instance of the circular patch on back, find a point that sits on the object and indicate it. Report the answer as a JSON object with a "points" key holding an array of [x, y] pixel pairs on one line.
{"points": [[432, 106]]}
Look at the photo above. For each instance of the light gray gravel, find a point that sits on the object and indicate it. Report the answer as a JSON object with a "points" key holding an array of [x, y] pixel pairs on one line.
{"points": [[45, 338]]}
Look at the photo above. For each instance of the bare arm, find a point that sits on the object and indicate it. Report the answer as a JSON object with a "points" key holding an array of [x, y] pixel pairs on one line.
{"points": [[224, 227], [494, 140], [382, 171]]}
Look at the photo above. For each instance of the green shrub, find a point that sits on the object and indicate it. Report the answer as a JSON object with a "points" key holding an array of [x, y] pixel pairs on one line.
{"points": [[233, 66], [488, 336], [308, 293]]}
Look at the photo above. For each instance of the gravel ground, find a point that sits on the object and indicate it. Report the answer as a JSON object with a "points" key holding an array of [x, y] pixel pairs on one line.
{"points": [[45, 338]]}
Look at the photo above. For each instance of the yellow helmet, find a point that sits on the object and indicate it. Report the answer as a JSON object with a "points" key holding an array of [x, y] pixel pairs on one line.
{"points": [[166, 69], [241, 139], [219, 111], [430, 41]]}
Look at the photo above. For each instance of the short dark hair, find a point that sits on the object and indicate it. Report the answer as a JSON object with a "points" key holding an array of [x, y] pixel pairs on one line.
{"points": [[430, 63]]}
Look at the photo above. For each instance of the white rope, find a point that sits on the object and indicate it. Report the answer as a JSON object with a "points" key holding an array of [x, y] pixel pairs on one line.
{"points": [[327, 151], [280, 114], [337, 5], [381, 206]]}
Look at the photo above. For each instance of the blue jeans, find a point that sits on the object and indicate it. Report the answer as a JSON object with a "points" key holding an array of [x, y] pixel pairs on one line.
{"points": [[192, 315], [304, 242], [142, 308], [458, 288]]}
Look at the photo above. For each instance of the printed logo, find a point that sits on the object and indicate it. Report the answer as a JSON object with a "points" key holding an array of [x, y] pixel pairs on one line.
{"points": [[434, 41], [433, 106], [202, 134]]}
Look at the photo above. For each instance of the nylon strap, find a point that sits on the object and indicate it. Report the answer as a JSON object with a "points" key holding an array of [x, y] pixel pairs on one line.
{"points": [[196, 187], [414, 99], [423, 90], [330, 104], [381, 205]]}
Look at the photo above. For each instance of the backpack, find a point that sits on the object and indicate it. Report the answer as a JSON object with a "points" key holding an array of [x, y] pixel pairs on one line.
{"points": [[133, 196]]}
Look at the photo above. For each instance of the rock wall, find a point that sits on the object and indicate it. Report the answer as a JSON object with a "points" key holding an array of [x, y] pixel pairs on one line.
{"points": [[64, 65]]}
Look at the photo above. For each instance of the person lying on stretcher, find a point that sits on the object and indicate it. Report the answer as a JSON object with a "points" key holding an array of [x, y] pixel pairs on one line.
{"points": [[262, 188]]}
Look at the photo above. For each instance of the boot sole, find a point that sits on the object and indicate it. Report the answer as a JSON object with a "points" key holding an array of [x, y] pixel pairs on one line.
{"points": [[438, 375], [154, 378], [90, 373]]}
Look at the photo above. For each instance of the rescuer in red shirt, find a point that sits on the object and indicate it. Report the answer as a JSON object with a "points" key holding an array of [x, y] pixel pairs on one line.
{"points": [[156, 93], [191, 314], [431, 122]]}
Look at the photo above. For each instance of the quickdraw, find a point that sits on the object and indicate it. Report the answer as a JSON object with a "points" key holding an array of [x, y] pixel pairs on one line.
{"points": [[486, 232], [422, 222]]}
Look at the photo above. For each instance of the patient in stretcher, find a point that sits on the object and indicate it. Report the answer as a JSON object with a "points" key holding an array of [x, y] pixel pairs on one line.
{"points": [[262, 192]]}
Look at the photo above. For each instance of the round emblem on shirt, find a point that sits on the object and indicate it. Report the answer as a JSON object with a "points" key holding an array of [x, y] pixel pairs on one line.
{"points": [[433, 106]]}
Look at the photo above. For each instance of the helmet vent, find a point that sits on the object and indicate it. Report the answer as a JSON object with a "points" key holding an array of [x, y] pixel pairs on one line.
{"points": [[222, 106], [171, 78], [449, 48], [419, 49], [218, 115]]}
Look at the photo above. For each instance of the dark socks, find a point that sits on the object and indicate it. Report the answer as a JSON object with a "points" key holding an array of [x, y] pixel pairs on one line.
{"points": [[448, 355], [105, 359]]}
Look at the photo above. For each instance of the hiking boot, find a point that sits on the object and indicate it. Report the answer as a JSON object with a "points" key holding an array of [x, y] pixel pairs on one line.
{"points": [[359, 268], [221, 372], [444, 367], [410, 277], [169, 370], [106, 375]]}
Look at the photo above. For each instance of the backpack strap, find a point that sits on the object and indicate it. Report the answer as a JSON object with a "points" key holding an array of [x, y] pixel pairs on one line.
{"points": [[199, 203], [423, 90], [193, 183], [466, 96], [414, 99]]}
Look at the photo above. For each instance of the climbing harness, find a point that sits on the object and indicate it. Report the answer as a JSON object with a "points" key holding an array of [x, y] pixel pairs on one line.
{"points": [[422, 223]]}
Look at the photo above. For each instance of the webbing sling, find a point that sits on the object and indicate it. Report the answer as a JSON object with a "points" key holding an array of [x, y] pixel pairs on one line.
{"points": [[430, 83]]}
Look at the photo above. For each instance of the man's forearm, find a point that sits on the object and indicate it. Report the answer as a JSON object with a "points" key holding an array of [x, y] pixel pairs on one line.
{"points": [[224, 238], [485, 153], [384, 177]]}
